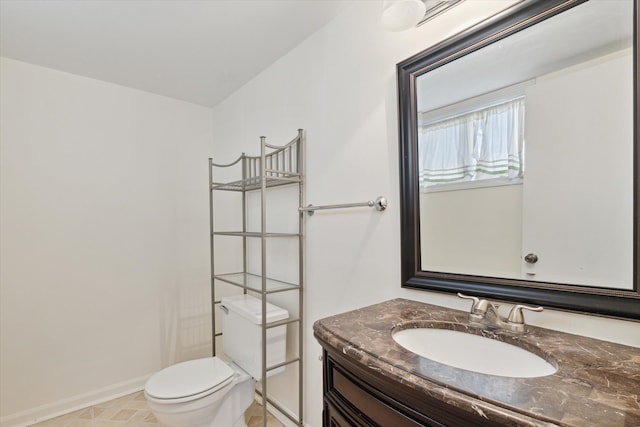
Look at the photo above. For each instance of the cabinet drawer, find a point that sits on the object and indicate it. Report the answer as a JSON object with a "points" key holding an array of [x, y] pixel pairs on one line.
{"points": [[345, 388], [361, 397]]}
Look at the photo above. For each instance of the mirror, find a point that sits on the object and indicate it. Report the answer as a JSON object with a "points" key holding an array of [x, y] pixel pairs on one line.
{"points": [[519, 153]]}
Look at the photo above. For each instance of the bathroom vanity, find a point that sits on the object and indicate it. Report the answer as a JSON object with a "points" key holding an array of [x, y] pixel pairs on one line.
{"points": [[370, 379]]}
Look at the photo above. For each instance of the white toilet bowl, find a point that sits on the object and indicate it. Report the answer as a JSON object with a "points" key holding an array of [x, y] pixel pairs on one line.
{"points": [[209, 392], [200, 393]]}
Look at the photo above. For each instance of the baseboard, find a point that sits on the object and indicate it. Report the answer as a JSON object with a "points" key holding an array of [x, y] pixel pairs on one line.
{"points": [[74, 403]]}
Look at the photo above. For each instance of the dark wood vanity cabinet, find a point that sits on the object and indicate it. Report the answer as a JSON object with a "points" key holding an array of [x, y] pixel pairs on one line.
{"points": [[354, 396], [370, 380]]}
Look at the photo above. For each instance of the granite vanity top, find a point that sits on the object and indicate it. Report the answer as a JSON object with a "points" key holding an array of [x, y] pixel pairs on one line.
{"points": [[597, 383]]}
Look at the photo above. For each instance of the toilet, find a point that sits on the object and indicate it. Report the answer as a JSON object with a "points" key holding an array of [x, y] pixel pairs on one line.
{"points": [[210, 392]]}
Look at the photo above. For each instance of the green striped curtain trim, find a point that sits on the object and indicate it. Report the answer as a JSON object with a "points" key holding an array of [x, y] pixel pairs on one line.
{"points": [[462, 173], [504, 165]]}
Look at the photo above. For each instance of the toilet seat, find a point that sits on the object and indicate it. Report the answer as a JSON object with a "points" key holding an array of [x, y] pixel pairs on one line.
{"points": [[189, 380]]}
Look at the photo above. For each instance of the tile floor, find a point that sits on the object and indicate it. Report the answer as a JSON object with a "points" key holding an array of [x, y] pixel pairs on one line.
{"points": [[132, 410]]}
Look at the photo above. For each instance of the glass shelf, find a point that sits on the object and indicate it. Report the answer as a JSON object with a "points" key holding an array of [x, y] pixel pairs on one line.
{"points": [[253, 282], [253, 234], [255, 183]]}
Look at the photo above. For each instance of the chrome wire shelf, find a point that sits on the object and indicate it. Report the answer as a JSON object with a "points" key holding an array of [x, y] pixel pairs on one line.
{"points": [[282, 166], [276, 166]]}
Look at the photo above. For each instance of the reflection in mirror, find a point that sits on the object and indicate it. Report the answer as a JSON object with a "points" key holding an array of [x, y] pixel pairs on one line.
{"points": [[518, 143], [525, 148]]}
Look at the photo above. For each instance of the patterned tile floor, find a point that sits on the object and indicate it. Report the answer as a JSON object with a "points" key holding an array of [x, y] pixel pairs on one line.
{"points": [[132, 410]]}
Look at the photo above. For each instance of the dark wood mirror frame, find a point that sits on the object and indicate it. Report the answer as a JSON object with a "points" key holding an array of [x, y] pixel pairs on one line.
{"points": [[600, 301]]}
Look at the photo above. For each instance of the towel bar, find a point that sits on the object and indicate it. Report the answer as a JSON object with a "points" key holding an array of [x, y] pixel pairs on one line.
{"points": [[380, 204]]}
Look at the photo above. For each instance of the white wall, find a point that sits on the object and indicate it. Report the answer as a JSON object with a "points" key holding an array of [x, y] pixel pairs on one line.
{"points": [[340, 85], [472, 231], [104, 243]]}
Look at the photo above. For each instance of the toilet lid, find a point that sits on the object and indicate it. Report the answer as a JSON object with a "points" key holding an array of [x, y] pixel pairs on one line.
{"points": [[189, 378]]}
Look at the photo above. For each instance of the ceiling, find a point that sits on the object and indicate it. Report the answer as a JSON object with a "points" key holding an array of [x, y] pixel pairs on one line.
{"points": [[198, 51]]}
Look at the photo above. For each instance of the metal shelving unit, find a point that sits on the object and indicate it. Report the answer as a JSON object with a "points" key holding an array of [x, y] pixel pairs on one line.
{"points": [[275, 167]]}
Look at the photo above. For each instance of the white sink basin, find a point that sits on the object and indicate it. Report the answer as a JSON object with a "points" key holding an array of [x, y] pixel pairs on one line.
{"points": [[473, 353]]}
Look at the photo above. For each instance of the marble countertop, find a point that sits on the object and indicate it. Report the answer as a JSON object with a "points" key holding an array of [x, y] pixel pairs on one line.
{"points": [[597, 383]]}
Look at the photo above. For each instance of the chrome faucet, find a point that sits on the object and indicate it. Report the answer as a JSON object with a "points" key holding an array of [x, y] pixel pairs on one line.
{"points": [[485, 312]]}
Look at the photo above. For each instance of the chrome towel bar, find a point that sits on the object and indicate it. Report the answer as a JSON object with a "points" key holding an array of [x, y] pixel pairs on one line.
{"points": [[380, 204]]}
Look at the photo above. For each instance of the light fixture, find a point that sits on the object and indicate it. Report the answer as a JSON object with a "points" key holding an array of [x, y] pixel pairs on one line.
{"points": [[399, 15], [436, 8]]}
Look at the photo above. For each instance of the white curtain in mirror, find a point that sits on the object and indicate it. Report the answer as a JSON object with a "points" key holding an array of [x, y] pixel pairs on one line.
{"points": [[485, 144]]}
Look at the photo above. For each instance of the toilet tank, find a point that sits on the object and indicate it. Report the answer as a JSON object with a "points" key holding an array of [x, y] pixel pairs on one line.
{"points": [[242, 334]]}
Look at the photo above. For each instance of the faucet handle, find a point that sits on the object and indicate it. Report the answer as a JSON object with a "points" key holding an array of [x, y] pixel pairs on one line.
{"points": [[475, 300], [479, 306], [516, 316]]}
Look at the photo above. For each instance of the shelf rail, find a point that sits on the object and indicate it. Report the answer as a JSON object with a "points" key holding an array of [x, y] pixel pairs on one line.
{"points": [[379, 203]]}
